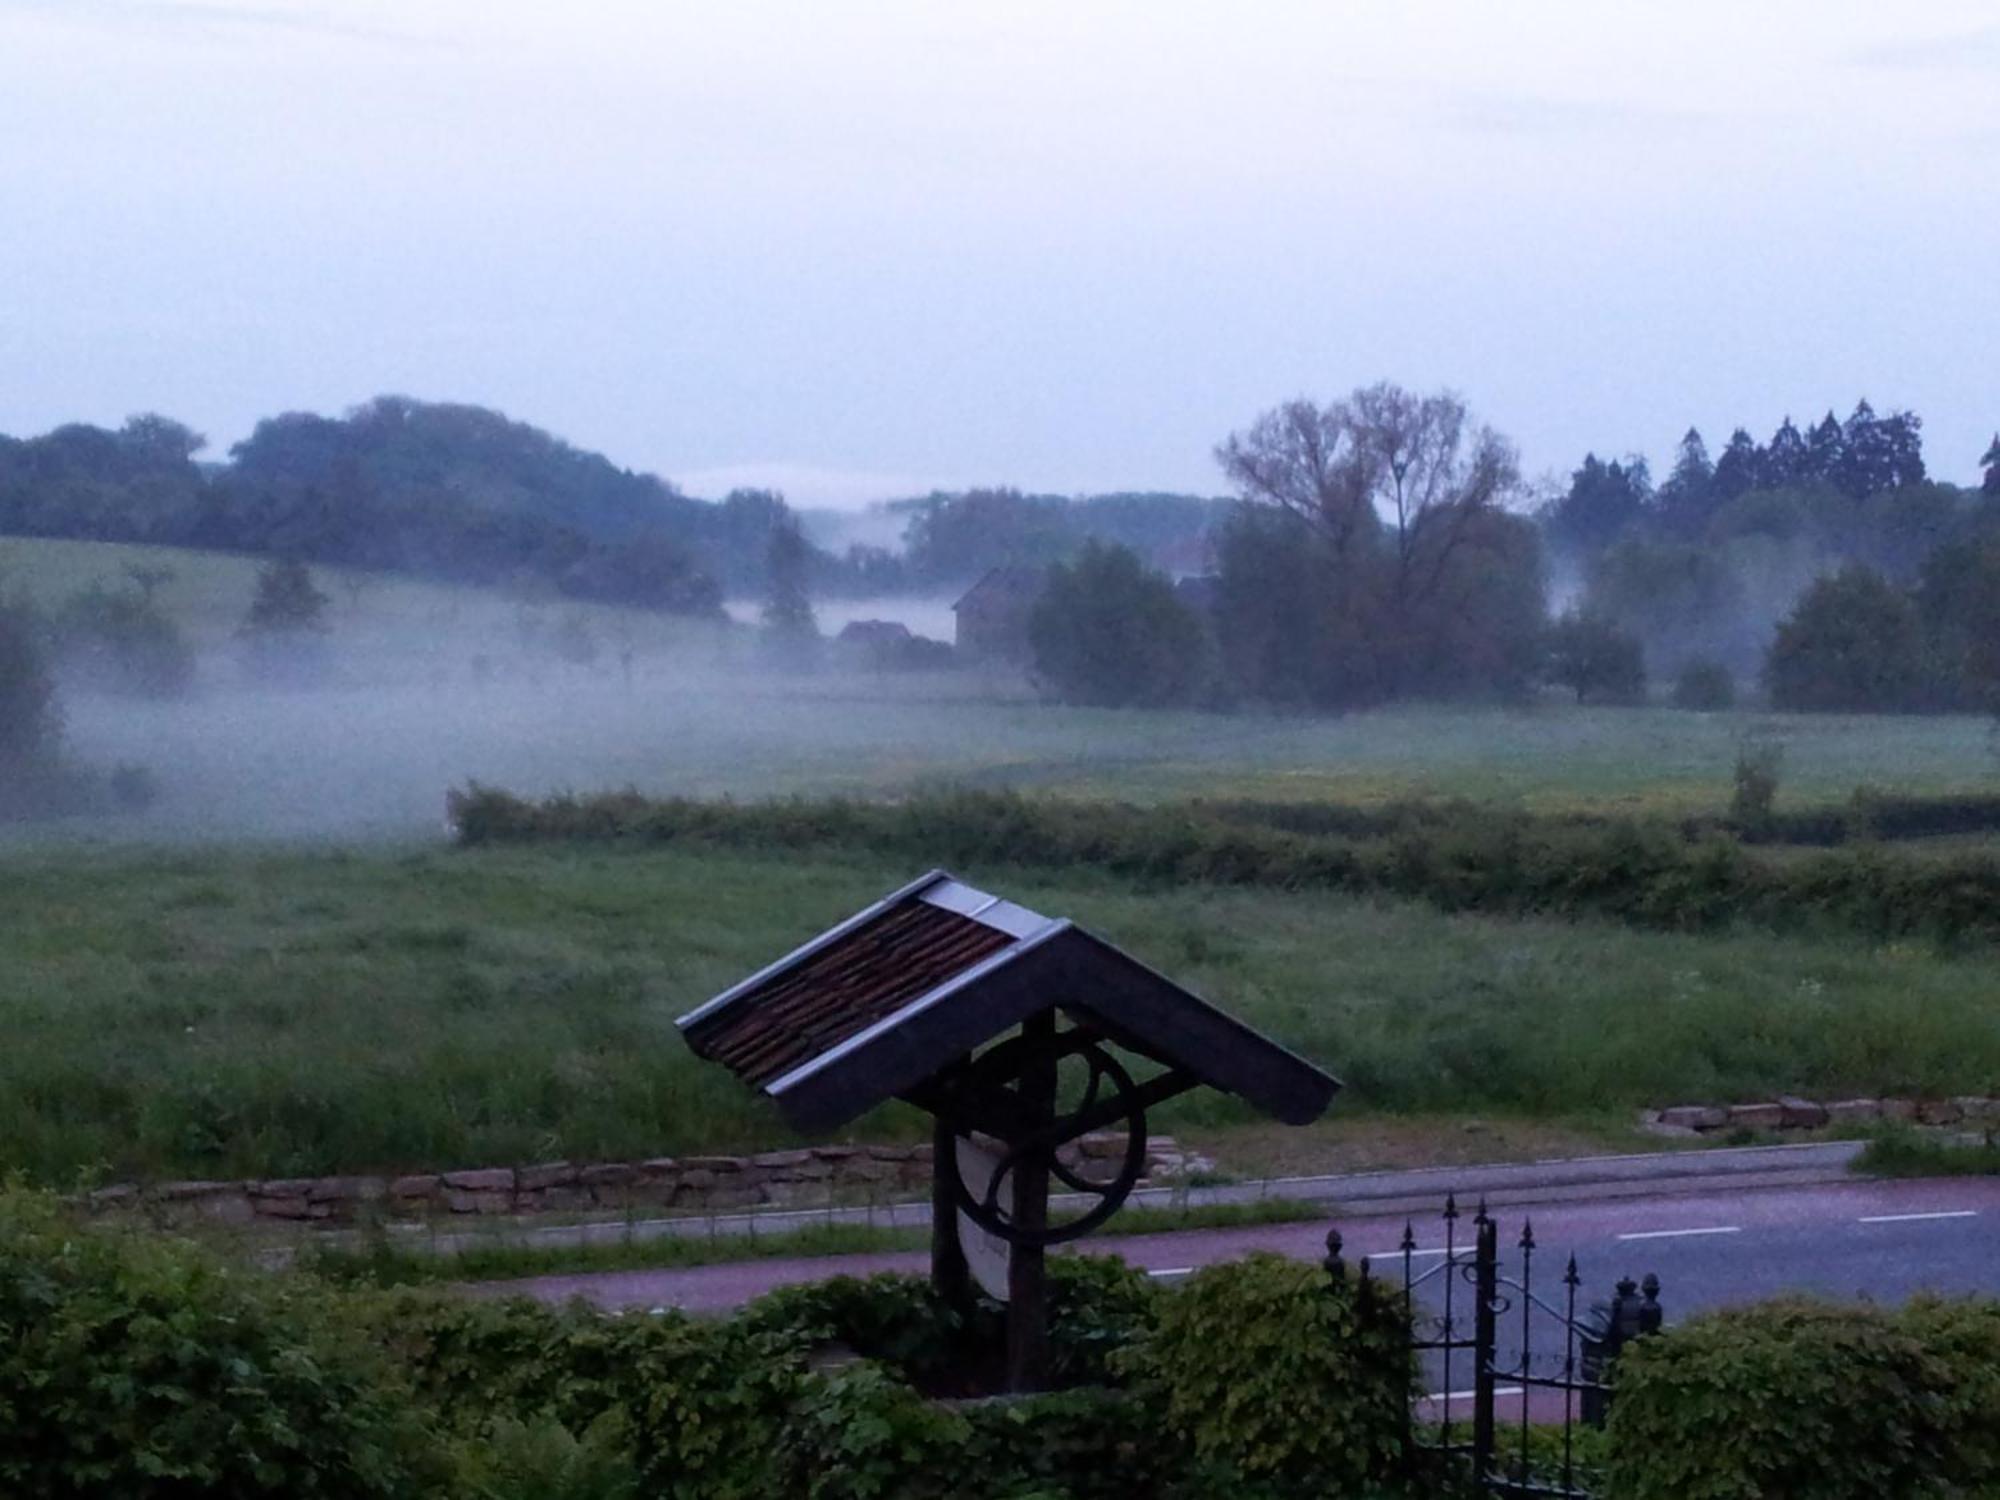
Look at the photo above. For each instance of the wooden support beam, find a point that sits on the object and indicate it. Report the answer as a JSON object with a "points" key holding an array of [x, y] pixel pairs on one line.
{"points": [[1027, 1266], [949, 1273]]}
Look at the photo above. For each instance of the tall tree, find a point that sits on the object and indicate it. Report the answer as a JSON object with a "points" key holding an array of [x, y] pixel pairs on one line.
{"points": [[1397, 486], [1881, 453], [788, 613], [1785, 459], [1304, 459], [1739, 469], [1992, 463], [1826, 451], [1605, 502], [1684, 500]]}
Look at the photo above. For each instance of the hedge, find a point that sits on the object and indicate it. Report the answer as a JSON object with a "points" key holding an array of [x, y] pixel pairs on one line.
{"points": [[1798, 1397], [1649, 873], [144, 1365]]}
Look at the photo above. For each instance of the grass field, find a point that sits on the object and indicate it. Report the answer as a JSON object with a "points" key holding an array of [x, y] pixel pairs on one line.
{"points": [[243, 1012], [412, 714]]}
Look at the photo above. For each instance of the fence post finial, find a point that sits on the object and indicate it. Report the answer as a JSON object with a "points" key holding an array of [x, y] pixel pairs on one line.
{"points": [[1335, 1267]]}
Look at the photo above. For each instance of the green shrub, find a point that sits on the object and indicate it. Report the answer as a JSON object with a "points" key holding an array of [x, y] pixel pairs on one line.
{"points": [[1759, 764], [141, 1366], [1798, 1398], [1679, 877], [1705, 687], [703, 1403], [1272, 1373], [510, 1459]]}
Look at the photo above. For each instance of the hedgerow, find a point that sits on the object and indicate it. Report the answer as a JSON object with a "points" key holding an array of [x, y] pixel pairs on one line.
{"points": [[1655, 874], [1798, 1397]]}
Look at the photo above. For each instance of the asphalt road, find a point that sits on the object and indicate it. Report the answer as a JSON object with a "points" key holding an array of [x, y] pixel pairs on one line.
{"points": [[1879, 1240]]}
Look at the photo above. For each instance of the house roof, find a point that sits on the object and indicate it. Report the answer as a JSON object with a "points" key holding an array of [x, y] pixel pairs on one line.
{"points": [[1023, 583], [883, 1002]]}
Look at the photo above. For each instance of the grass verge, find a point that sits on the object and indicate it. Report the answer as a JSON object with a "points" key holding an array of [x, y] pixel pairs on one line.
{"points": [[1903, 1152], [381, 1261]]}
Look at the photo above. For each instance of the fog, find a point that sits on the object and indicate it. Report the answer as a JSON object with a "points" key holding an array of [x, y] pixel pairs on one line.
{"points": [[372, 752]]}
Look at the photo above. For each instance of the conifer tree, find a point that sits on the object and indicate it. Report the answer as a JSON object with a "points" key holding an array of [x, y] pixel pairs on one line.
{"points": [[1826, 450], [1737, 471], [1785, 460], [1992, 462]]}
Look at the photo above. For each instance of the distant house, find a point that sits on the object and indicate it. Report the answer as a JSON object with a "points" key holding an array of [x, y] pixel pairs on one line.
{"points": [[881, 635], [992, 617]]}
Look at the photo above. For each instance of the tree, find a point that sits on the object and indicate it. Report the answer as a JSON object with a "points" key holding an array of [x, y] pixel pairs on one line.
{"points": [[1605, 502], [1108, 631], [1738, 470], [1397, 488], [1705, 687], [1785, 459], [1682, 601], [1826, 451], [30, 721], [1958, 610], [1296, 624], [1594, 659], [1685, 500], [1880, 453], [121, 641], [1992, 464], [285, 627], [789, 627], [1851, 645]]}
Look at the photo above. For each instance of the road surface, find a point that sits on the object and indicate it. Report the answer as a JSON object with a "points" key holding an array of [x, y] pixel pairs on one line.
{"points": [[1880, 1240]]}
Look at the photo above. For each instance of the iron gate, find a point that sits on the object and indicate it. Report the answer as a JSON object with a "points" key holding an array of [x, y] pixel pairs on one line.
{"points": [[1471, 1318]]}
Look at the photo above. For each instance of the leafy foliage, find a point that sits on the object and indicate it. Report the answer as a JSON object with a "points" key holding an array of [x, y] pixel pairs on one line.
{"points": [[122, 641], [1705, 687], [1805, 1398], [1375, 557], [1106, 631], [1596, 660], [30, 720], [137, 1366], [1271, 1372], [1851, 645]]}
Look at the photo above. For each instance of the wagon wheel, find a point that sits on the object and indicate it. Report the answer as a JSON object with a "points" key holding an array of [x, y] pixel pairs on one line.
{"points": [[1107, 1100]]}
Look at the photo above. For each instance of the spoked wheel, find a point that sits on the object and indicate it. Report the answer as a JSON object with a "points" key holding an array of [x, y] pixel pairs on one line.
{"points": [[1095, 1094]]}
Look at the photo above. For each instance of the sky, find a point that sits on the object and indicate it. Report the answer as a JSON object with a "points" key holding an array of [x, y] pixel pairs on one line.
{"points": [[861, 248]]}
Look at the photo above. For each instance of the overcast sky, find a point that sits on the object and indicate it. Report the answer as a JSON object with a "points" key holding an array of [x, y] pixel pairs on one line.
{"points": [[865, 248]]}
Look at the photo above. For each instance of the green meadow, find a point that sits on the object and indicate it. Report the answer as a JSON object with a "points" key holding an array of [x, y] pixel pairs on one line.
{"points": [[232, 1011]]}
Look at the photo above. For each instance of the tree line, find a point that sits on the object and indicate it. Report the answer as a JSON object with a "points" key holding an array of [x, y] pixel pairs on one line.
{"points": [[464, 494], [1384, 546]]}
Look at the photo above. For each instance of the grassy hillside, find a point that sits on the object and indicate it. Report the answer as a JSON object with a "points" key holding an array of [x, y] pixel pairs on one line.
{"points": [[207, 593], [225, 1013]]}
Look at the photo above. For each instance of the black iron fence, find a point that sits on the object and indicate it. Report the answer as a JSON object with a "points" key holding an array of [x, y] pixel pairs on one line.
{"points": [[1513, 1378]]}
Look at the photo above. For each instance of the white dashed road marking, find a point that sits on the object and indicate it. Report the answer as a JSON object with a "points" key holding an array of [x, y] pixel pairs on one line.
{"points": [[1956, 1213], [1667, 1234]]}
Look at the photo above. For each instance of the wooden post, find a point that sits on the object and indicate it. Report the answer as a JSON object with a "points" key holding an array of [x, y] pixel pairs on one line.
{"points": [[949, 1273], [1027, 1271]]}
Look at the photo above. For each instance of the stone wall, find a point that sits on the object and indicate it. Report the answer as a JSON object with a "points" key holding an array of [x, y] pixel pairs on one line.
{"points": [[809, 1177], [1789, 1112]]}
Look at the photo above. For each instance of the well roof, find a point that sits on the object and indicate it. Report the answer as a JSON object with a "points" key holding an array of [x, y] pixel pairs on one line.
{"points": [[900, 992]]}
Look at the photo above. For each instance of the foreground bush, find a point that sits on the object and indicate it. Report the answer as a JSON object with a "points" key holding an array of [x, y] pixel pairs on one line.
{"points": [[1274, 1375], [140, 1367], [1801, 1398]]}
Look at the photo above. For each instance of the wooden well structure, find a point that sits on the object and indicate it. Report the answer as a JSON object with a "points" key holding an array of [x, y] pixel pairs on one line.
{"points": [[1019, 1034]]}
